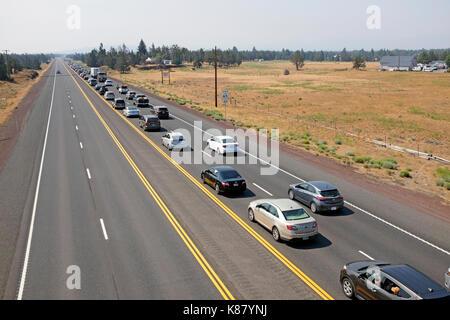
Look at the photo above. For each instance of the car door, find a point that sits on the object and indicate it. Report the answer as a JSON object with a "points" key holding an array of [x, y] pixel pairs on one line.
{"points": [[272, 217], [212, 143], [262, 214], [299, 192], [309, 194]]}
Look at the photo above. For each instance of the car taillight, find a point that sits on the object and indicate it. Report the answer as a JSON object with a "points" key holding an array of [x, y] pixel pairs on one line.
{"points": [[147, 123], [225, 184], [292, 228], [321, 198], [243, 182], [341, 197], [224, 146]]}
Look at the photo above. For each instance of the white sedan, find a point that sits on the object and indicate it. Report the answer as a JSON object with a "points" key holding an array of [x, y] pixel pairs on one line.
{"points": [[131, 111], [174, 140], [223, 144], [108, 83]]}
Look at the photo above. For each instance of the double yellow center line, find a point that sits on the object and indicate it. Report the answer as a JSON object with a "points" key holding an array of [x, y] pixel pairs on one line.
{"points": [[223, 290], [290, 265]]}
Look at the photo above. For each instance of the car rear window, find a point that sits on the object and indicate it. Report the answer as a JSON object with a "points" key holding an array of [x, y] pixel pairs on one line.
{"points": [[228, 141], [162, 109], [230, 174], [330, 193], [297, 214]]}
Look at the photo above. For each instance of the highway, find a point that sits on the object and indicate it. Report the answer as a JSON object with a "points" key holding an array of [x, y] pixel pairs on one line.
{"points": [[110, 200]]}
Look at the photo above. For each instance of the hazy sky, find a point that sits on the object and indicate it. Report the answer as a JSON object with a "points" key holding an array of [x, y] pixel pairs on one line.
{"points": [[42, 25]]}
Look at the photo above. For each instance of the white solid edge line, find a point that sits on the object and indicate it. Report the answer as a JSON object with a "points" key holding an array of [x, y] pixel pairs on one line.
{"points": [[74, 116], [207, 154], [263, 189], [36, 196], [104, 229], [346, 202], [366, 255], [81, 145], [88, 173], [76, 128]]}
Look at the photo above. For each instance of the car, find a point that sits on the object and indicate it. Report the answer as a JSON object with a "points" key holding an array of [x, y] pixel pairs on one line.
{"points": [[86, 76], [123, 89], [58, 72], [224, 179], [109, 95], [149, 122], [318, 195], [140, 95], [92, 81], [174, 141], [223, 144], [102, 90], [131, 111], [161, 111], [379, 280], [98, 86], [142, 102], [285, 218], [119, 103], [130, 95], [108, 83]]}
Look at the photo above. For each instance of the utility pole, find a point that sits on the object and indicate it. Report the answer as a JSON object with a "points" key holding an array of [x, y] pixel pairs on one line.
{"points": [[7, 67], [215, 73]]}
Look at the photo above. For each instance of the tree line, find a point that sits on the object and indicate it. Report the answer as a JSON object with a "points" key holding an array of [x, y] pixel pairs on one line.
{"points": [[13, 63], [122, 57]]}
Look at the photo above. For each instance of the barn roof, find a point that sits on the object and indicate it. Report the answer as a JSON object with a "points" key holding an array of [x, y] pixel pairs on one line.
{"points": [[398, 61]]}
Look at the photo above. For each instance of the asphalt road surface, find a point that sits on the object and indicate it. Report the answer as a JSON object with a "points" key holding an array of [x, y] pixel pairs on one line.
{"points": [[138, 226]]}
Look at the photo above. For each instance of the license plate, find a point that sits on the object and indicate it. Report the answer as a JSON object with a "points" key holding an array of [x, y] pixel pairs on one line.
{"points": [[236, 184], [305, 238], [333, 208]]}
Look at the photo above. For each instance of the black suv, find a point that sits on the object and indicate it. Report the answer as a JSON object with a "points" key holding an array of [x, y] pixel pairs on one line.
{"points": [[378, 280], [161, 112], [142, 102]]}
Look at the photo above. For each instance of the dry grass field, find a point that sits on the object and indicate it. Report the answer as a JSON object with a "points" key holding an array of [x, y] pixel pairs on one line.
{"points": [[11, 93], [317, 107]]}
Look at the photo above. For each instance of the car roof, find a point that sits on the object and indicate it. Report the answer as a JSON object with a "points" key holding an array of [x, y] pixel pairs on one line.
{"points": [[284, 204], [224, 137], [414, 280], [176, 134], [322, 185], [223, 168], [150, 116]]}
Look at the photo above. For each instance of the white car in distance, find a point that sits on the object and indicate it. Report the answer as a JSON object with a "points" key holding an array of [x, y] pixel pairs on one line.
{"points": [[131, 111], [174, 141], [223, 145], [108, 83]]}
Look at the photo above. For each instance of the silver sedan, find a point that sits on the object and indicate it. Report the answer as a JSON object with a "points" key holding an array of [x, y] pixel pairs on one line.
{"points": [[131, 111], [285, 218]]}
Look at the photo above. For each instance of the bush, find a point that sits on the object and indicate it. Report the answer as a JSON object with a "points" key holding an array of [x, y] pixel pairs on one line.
{"points": [[338, 141], [447, 185], [405, 174], [390, 165], [440, 182], [363, 159], [350, 154]]}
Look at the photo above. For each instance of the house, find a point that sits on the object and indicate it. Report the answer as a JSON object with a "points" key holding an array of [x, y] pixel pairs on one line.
{"points": [[398, 63], [148, 60]]}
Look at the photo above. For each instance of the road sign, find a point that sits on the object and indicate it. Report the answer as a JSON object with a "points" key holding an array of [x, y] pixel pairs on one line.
{"points": [[225, 96]]}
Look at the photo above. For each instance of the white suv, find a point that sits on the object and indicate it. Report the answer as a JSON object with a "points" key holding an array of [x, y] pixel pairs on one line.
{"points": [[223, 144]]}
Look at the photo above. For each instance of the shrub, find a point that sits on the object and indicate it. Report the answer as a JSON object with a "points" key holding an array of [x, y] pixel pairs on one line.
{"points": [[338, 141], [350, 154], [440, 182], [363, 159], [389, 165], [447, 185], [405, 174]]}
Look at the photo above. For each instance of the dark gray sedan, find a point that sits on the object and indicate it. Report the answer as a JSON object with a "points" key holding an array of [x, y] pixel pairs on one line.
{"points": [[318, 195]]}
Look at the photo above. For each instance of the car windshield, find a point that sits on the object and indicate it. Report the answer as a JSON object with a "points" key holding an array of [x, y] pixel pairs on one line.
{"points": [[162, 109], [330, 193], [132, 108], [230, 174], [297, 214]]}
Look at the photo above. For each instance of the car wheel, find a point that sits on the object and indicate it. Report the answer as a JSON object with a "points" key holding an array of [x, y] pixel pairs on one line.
{"points": [[276, 234], [313, 207], [217, 188], [251, 215], [348, 288], [291, 194]]}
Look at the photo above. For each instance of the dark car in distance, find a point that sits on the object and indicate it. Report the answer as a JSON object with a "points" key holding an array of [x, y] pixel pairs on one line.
{"points": [[224, 179], [318, 195], [161, 112], [102, 90], [149, 122], [142, 102], [378, 280], [119, 103]]}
